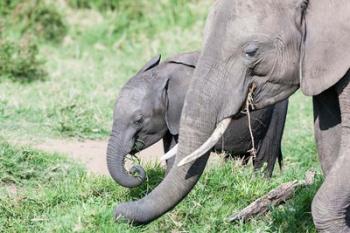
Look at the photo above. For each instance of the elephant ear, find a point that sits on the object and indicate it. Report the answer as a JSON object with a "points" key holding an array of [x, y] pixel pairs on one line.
{"points": [[179, 78], [326, 48], [151, 64], [187, 59], [176, 98]]}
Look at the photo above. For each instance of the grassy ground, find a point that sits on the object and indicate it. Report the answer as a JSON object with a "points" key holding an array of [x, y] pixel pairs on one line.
{"points": [[44, 193]]}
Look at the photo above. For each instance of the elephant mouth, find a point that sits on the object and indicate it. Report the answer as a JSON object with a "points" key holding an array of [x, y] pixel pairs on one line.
{"points": [[136, 170], [139, 145], [221, 128]]}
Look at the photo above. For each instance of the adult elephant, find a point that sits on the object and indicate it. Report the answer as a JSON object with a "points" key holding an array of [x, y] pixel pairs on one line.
{"points": [[277, 46], [149, 108]]}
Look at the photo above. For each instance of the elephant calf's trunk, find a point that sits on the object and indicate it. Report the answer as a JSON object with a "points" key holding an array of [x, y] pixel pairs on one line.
{"points": [[176, 185], [116, 166]]}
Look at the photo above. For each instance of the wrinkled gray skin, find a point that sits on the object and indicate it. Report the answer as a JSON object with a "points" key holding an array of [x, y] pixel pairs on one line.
{"points": [[149, 109], [279, 46]]}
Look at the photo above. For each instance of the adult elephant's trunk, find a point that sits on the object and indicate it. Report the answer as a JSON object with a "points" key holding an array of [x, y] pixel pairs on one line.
{"points": [[331, 205], [176, 185], [201, 113], [116, 154]]}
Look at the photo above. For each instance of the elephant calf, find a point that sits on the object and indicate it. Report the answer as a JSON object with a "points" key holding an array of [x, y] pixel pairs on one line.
{"points": [[149, 107]]}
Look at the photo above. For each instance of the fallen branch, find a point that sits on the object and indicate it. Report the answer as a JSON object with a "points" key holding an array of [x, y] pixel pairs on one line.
{"points": [[273, 198]]}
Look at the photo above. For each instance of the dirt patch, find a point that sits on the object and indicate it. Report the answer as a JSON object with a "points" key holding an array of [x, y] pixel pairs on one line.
{"points": [[93, 153]]}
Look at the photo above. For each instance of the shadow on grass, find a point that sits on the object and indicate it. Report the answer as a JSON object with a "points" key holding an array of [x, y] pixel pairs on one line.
{"points": [[155, 175], [295, 216]]}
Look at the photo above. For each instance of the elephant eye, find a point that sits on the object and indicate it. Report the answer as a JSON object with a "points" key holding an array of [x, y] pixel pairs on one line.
{"points": [[251, 50], [138, 120]]}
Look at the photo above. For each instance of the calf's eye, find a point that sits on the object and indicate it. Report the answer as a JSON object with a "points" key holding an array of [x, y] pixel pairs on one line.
{"points": [[251, 50], [138, 120]]}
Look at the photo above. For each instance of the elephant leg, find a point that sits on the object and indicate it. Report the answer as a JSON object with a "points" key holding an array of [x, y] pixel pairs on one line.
{"points": [[269, 149], [169, 141], [330, 207], [327, 127]]}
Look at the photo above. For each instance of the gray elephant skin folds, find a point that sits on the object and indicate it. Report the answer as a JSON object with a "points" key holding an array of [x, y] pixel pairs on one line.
{"points": [[276, 47]]}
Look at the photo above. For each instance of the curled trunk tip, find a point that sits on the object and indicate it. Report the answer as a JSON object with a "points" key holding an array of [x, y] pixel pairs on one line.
{"points": [[116, 168]]}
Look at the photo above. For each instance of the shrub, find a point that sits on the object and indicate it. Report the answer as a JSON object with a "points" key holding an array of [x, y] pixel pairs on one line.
{"points": [[6, 6], [20, 62], [40, 19], [101, 5]]}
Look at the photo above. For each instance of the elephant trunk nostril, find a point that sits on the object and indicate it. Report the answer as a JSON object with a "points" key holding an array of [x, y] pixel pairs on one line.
{"points": [[139, 172]]}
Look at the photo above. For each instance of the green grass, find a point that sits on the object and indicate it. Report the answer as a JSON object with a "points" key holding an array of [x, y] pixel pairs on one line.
{"points": [[41, 192]]}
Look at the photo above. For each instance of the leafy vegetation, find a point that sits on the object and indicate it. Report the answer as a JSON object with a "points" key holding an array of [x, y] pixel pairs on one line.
{"points": [[20, 62], [41, 19], [101, 5], [35, 17], [7, 6], [23, 25]]}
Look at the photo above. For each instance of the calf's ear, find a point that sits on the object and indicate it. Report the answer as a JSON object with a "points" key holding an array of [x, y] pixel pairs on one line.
{"points": [[151, 64], [325, 50], [173, 107]]}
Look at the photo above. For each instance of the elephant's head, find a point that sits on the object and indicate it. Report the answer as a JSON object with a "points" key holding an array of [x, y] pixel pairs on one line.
{"points": [[266, 44], [148, 106], [273, 46]]}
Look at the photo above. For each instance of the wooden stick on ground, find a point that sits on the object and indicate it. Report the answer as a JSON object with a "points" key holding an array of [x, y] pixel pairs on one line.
{"points": [[273, 198]]}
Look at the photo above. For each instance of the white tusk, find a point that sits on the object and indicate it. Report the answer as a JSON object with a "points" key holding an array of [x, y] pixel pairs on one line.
{"points": [[170, 153], [210, 143]]}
